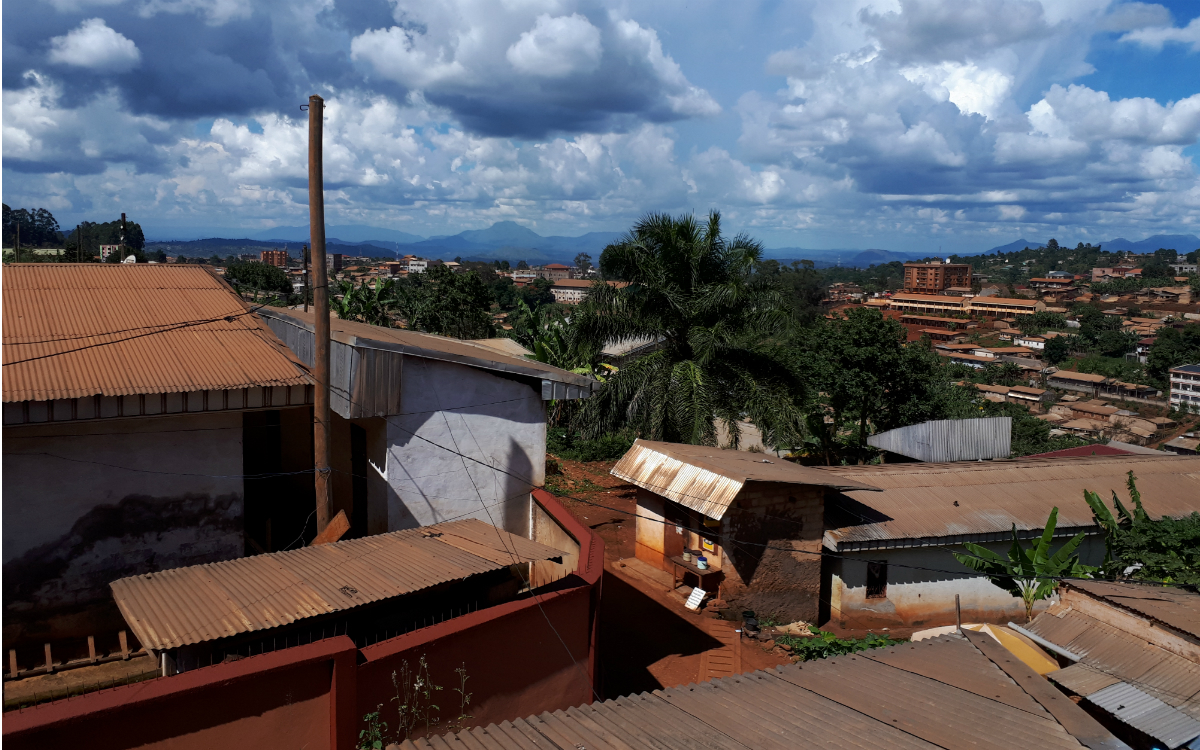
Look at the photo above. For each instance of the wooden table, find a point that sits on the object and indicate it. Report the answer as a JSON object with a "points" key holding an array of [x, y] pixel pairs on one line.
{"points": [[689, 566]]}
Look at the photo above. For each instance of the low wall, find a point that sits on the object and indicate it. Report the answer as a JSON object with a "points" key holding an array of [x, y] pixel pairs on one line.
{"points": [[521, 658]]}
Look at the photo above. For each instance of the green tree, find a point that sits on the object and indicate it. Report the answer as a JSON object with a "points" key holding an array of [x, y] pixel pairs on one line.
{"points": [[869, 380], [365, 303], [1166, 551], [1028, 574], [1057, 350], [1173, 347], [1041, 321], [537, 293], [800, 283], [258, 277], [447, 303], [583, 262], [694, 290], [1115, 343]]}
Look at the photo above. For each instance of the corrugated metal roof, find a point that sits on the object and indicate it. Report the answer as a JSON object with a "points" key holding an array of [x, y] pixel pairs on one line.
{"points": [[1082, 679], [852, 702], [504, 346], [119, 330], [949, 439], [962, 500], [1122, 655], [1176, 608], [190, 605], [430, 346], [708, 479], [1147, 713]]}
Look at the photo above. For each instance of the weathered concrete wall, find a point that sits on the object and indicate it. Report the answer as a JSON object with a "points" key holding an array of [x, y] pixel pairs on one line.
{"points": [[766, 545], [648, 529], [925, 598], [85, 504], [546, 530], [770, 540], [495, 420]]}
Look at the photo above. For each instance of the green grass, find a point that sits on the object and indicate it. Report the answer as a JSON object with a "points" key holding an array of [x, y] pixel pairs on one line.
{"points": [[824, 644]]}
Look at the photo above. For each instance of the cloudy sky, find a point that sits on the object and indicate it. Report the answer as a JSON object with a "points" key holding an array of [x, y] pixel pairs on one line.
{"points": [[900, 124]]}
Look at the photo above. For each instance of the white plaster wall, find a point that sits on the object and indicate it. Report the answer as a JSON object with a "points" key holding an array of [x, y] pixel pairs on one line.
{"points": [[919, 596], [86, 503], [498, 421]]}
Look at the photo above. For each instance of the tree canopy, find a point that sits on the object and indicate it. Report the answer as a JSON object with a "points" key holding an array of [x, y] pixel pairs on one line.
{"points": [[446, 303], [692, 289], [36, 228]]}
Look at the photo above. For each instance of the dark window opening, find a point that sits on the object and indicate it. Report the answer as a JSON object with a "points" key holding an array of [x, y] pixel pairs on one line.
{"points": [[877, 580]]}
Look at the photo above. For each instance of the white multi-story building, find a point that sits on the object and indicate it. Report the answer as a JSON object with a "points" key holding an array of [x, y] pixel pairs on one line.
{"points": [[1185, 386]]}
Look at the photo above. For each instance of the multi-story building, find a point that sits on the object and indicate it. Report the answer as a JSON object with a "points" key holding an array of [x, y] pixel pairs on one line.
{"points": [[1185, 386], [1184, 268], [107, 250], [277, 258], [935, 278], [574, 291], [553, 271]]}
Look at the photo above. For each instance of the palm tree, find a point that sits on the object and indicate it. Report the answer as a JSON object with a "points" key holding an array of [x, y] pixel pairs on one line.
{"points": [[694, 291]]}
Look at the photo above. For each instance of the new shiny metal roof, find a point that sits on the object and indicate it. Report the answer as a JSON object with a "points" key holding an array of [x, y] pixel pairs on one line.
{"points": [[979, 501], [708, 479], [73, 330], [940, 693], [189, 605]]}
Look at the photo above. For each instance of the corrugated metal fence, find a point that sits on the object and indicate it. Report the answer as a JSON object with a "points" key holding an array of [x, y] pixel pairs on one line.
{"points": [[949, 440]]}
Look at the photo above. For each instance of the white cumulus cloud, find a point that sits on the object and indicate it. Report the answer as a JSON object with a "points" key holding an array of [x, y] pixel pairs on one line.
{"points": [[94, 45], [557, 47], [1155, 37]]}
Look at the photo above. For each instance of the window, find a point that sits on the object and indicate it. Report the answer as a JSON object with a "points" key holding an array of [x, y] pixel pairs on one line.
{"points": [[877, 580]]}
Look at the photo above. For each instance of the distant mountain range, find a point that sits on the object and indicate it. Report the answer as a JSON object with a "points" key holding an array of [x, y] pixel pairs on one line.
{"points": [[1184, 243], [508, 240]]}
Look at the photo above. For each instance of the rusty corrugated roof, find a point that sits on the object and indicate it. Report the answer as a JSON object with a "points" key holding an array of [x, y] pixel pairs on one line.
{"points": [[1176, 608], [119, 330], [708, 479], [947, 695], [199, 603], [1122, 655], [944, 502]]}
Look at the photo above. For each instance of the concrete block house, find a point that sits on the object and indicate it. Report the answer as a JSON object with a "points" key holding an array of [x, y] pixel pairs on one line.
{"points": [[137, 399], [891, 562], [756, 517], [429, 429]]}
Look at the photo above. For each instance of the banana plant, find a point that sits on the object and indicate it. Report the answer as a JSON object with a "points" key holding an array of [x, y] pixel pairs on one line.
{"points": [[1028, 574], [1115, 526]]}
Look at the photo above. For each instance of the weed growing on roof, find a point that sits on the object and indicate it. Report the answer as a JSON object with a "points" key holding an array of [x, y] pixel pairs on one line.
{"points": [[824, 644]]}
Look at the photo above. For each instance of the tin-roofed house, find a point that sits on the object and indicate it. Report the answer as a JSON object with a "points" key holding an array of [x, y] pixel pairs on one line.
{"points": [[428, 428], [1131, 655], [137, 399], [893, 564], [756, 518]]}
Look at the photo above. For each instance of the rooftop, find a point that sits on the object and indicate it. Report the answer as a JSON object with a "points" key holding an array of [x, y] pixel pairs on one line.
{"points": [[1086, 377], [87, 329], [1188, 369], [924, 503], [199, 603], [948, 692], [1004, 301], [708, 479], [429, 346]]}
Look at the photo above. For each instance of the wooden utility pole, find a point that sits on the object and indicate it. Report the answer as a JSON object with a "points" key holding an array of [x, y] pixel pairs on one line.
{"points": [[322, 431]]}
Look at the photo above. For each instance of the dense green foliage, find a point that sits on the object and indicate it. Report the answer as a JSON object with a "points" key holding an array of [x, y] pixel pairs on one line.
{"points": [[259, 277], [800, 283], [694, 290], [1057, 350], [1028, 574], [1162, 551], [1042, 321], [1173, 347], [824, 644], [36, 227], [569, 444], [446, 303]]}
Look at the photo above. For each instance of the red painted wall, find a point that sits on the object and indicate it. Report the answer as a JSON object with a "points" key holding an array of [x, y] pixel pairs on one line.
{"points": [[522, 658]]}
